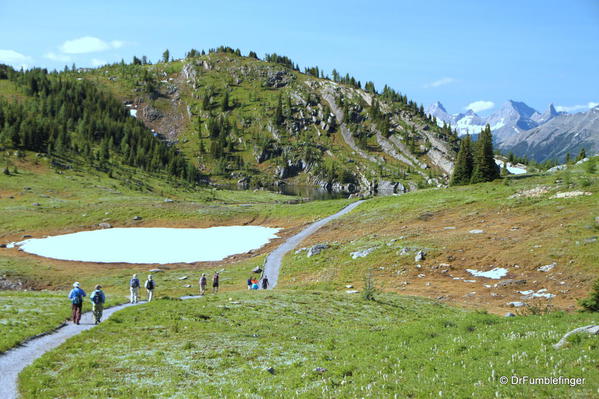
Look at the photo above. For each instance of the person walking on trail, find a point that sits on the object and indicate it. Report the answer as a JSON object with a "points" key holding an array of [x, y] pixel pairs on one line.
{"points": [[150, 285], [98, 298], [203, 284], [264, 282], [76, 296], [215, 283], [134, 288]]}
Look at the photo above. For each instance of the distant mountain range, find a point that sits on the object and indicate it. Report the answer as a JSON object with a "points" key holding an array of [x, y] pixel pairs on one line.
{"points": [[523, 130]]}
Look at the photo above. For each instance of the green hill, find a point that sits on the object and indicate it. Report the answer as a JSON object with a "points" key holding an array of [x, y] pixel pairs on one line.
{"points": [[235, 119]]}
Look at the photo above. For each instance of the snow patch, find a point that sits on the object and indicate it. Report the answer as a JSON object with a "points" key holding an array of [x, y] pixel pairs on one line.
{"points": [[494, 274]]}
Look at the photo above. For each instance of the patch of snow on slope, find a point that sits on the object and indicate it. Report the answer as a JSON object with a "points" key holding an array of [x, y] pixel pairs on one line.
{"points": [[495, 273]]}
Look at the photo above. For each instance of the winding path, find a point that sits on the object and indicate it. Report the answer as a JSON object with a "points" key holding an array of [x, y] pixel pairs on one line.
{"points": [[15, 360], [273, 260]]}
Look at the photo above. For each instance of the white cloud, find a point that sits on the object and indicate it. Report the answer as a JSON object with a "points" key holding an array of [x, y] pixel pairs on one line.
{"points": [[96, 62], [574, 108], [480, 105], [89, 44], [58, 57], [117, 43], [14, 58], [440, 82]]}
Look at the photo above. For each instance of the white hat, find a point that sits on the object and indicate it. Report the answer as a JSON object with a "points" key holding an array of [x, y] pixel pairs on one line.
{"points": [[76, 284]]}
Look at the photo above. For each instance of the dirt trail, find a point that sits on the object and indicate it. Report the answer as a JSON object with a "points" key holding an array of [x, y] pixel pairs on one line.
{"points": [[273, 260]]}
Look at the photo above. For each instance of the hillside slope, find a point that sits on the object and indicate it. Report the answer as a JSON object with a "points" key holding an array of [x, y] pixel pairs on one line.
{"points": [[247, 121]]}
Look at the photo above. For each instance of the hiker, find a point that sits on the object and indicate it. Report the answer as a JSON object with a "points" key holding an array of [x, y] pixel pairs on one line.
{"points": [[150, 287], [250, 282], [255, 284], [215, 283], [264, 282], [203, 284], [98, 298], [76, 296], [134, 288]]}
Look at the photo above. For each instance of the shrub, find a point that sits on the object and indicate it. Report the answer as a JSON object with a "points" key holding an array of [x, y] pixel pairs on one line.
{"points": [[369, 287], [591, 303]]}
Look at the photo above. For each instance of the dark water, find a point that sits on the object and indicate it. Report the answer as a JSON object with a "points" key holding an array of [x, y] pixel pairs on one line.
{"points": [[307, 192]]}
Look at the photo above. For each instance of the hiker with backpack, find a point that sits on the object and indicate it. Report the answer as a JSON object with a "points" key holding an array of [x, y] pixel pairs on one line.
{"points": [[215, 283], [98, 298], [250, 282], [203, 284], [150, 287], [264, 283], [134, 288], [76, 296]]}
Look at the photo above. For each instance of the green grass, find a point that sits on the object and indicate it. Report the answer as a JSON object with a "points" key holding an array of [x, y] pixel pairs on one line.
{"points": [[559, 226], [221, 346], [25, 314]]}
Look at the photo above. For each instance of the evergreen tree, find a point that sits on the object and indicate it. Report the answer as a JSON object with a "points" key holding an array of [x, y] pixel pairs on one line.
{"points": [[166, 56], [225, 102], [462, 171], [484, 168], [581, 155], [568, 158], [278, 117]]}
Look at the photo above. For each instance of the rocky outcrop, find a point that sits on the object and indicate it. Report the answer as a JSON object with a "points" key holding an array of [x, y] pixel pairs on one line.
{"points": [[329, 96]]}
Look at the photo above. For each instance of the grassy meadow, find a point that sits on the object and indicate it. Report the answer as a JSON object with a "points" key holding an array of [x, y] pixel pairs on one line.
{"points": [[276, 345]]}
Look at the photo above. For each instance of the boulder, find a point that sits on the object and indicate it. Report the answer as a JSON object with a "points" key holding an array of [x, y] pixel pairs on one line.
{"points": [[556, 168], [590, 329], [137, 218], [509, 314], [361, 254], [320, 370], [547, 268], [155, 270], [420, 256], [316, 249], [516, 304], [104, 225], [476, 231], [183, 278], [271, 370]]}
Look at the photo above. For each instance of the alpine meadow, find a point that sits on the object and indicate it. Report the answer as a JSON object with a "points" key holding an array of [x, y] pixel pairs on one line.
{"points": [[224, 222]]}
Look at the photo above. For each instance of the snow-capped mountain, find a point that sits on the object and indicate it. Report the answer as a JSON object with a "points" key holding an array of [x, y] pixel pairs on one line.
{"points": [[469, 122], [563, 133], [521, 129]]}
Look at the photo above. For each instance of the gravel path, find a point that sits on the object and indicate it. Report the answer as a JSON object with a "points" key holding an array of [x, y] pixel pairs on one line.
{"points": [[15, 360], [273, 260]]}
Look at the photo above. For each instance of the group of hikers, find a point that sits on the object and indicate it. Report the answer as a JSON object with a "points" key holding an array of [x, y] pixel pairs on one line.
{"points": [[255, 284], [98, 298]]}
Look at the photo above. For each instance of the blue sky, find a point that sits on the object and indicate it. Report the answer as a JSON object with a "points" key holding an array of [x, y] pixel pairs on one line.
{"points": [[458, 52]]}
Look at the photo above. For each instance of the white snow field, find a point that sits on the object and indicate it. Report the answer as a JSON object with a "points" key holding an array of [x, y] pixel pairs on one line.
{"points": [[151, 244]]}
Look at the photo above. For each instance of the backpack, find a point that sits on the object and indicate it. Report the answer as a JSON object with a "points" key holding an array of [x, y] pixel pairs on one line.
{"points": [[97, 298], [77, 300], [150, 284], [134, 283]]}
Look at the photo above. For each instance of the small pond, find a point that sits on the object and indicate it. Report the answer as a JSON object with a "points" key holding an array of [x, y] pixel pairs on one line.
{"points": [[151, 244]]}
